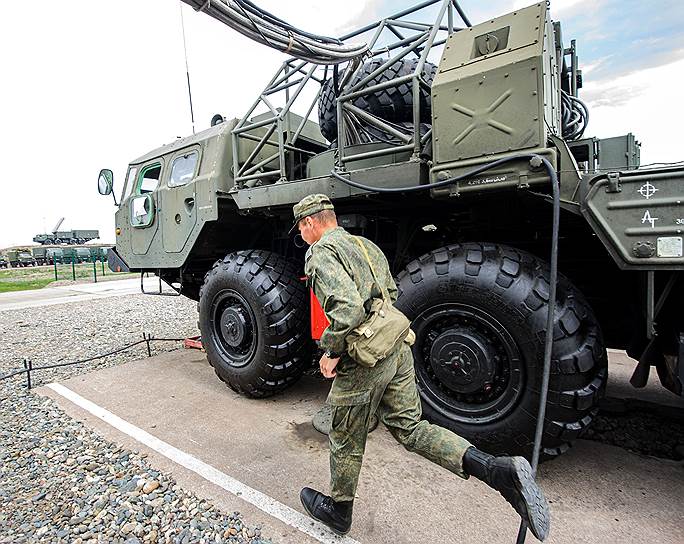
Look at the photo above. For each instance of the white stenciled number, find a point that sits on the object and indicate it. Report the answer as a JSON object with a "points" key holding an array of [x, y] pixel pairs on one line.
{"points": [[648, 219], [679, 221]]}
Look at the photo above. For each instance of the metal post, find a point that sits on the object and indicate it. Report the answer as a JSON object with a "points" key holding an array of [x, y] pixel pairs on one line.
{"points": [[54, 262], [573, 67], [95, 269], [73, 267], [147, 338], [103, 268], [28, 366]]}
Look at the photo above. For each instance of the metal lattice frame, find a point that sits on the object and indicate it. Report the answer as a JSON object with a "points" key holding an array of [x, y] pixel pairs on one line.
{"points": [[294, 75]]}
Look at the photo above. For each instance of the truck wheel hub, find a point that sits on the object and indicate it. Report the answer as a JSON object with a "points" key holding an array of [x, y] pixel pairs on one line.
{"points": [[463, 360], [234, 330], [467, 364], [233, 325]]}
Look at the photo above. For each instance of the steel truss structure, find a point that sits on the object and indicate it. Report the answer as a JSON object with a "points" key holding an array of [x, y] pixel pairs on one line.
{"points": [[410, 38]]}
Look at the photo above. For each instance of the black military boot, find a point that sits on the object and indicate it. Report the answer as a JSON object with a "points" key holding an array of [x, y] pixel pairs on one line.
{"points": [[512, 477], [336, 515]]}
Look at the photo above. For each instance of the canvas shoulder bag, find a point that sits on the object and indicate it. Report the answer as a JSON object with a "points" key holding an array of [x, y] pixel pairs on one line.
{"points": [[382, 331]]}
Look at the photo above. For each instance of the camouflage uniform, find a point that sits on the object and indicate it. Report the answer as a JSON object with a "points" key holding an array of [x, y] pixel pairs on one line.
{"points": [[343, 283]]}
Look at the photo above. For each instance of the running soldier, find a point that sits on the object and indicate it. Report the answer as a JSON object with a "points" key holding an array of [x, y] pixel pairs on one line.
{"points": [[341, 271]]}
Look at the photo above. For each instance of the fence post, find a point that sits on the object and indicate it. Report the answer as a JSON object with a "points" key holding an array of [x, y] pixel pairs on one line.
{"points": [[147, 341], [54, 261], [28, 366], [73, 267], [103, 268], [95, 269]]}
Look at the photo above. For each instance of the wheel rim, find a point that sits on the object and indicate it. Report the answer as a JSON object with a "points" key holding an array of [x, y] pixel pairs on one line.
{"points": [[233, 328], [468, 366]]}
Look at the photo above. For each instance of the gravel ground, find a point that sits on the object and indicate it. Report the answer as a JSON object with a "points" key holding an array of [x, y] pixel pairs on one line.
{"points": [[640, 429], [61, 482]]}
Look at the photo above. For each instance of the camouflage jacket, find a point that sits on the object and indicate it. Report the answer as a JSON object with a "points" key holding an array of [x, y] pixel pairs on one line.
{"points": [[343, 283]]}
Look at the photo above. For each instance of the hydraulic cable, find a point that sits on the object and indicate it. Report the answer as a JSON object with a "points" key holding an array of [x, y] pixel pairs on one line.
{"points": [[574, 116], [264, 27], [535, 160]]}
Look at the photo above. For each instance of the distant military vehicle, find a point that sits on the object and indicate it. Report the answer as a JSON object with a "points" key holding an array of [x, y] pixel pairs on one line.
{"points": [[69, 255], [40, 255], [443, 166], [83, 254], [20, 258], [98, 253], [4, 263], [54, 255], [72, 237]]}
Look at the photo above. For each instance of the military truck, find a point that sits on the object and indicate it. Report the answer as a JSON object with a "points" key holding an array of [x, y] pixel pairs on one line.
{"points": [[69, 255], [54, 255], [72, 237], [40, 255], [20, 258], [98, 253], [83, 255], [435, 145], [4, 263]]}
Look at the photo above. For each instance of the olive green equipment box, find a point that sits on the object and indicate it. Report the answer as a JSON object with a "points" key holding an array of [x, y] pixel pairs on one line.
{"points": [[398, 137]]}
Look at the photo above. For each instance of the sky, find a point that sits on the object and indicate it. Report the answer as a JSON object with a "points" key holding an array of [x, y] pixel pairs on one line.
{"points": [[94, 84]]}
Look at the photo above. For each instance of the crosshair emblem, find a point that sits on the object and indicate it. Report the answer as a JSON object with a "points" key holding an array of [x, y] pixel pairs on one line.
{"points": [[647, 190]]}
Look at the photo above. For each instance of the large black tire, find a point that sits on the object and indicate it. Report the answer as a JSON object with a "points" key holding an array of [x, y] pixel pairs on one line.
{"points": [[394, 104], [253, 319], [479, 313]]}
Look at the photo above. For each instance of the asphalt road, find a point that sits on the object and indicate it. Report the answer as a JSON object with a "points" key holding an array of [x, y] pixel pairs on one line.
{"points": [[79, 292], [598, 493]]}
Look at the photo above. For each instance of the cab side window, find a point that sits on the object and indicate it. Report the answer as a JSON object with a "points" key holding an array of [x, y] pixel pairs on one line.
{"points": [[183, 169], [149, 179]]}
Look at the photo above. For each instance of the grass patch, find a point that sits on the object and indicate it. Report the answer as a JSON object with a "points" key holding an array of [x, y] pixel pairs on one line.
{"points": [[37, 277], [25, 285]]}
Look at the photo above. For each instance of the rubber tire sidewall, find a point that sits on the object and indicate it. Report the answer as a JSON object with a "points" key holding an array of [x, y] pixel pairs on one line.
{"points": [[261, 376], [513, 434]]}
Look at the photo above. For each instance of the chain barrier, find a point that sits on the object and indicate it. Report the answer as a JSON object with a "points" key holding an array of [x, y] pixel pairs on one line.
{"points": [[29, 368]]}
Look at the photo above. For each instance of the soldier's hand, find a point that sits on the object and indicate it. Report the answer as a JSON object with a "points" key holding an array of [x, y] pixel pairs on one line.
{"points": [[328, 366]]}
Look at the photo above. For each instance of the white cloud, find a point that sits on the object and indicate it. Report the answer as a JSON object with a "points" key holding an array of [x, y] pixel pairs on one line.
{"points": [[90, 85], [564, 8], [643, 103]]}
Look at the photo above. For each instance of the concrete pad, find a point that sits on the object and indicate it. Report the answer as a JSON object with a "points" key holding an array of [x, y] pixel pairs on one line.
{"points": [[79, 292], [598, 493]]}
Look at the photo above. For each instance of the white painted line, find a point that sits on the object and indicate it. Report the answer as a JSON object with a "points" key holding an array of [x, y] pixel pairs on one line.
{"points": [[262, 501]]}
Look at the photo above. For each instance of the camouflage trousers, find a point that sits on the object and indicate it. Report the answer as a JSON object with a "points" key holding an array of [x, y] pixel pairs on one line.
{"points": [[389, 388]]}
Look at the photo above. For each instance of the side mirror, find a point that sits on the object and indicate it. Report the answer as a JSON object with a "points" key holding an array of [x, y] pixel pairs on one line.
{"points": [[105, 181]]}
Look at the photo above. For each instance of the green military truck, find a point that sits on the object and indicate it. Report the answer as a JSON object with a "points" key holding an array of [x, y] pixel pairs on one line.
{"points": [[40, 255], [54, 255], [83, 255], [98, 253], [20, 258], [69, 255], [435, 146]]}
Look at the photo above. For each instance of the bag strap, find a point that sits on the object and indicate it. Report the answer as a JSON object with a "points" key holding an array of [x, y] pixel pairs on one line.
{"points": [[383, 292]]}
